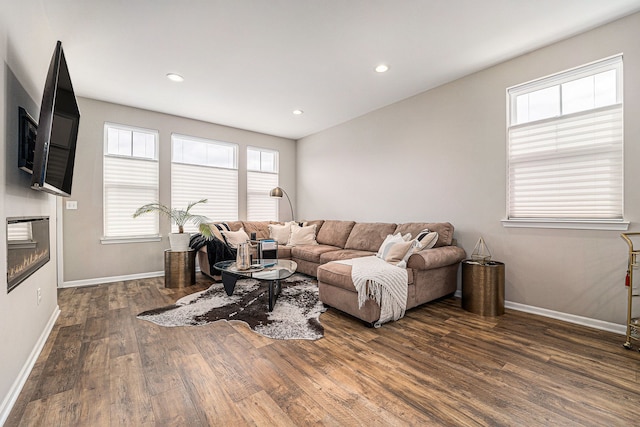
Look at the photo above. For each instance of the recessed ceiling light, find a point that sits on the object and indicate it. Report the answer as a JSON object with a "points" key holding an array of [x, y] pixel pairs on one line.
{"points": [[298, 112], [175, 77], [382, 68]]}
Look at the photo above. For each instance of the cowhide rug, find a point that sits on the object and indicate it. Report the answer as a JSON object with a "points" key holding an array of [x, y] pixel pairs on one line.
{"points": [[295, 315]]}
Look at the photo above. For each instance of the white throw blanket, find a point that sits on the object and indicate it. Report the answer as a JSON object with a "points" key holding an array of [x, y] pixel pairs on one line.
{"points": [[376, 279]]}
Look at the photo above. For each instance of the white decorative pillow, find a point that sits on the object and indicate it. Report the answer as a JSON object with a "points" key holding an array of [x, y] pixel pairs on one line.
{"points": [[396, 252], [427, 240], [280, 233], [233, 238], [302, 235], [388, 241]]}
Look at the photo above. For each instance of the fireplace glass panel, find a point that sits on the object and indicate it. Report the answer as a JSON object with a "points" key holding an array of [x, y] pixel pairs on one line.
{"points": [[27, 248]]}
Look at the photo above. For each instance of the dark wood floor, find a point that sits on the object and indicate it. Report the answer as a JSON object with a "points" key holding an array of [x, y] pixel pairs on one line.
{"points": [[438, 366]]}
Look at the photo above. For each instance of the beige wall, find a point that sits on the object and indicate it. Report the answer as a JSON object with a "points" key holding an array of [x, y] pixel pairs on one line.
{"points": [[441, 155], [85, 258]]}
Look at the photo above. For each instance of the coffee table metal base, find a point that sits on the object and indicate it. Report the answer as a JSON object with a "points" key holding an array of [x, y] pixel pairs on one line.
{"points": [[229, 282]]}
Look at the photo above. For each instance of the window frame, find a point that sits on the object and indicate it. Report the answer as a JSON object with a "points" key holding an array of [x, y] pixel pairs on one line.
{"points": [[557, 79], [202, 208], [254, 171], [140, 238]]}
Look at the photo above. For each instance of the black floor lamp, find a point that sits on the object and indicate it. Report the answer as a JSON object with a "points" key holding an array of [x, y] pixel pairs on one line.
{"points": [[278, 192]]}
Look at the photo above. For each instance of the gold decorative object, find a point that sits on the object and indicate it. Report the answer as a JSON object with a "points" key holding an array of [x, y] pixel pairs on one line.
{"points": [[481, 252], [632, 323]]}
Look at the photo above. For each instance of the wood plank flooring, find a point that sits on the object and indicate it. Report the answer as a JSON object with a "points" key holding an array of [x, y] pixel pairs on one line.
{"points": [[440, 365]]}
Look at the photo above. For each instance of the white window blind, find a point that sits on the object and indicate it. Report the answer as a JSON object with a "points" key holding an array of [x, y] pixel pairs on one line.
{"points": [[130, 180], [204, 169], [262, 177], [566, 146]]}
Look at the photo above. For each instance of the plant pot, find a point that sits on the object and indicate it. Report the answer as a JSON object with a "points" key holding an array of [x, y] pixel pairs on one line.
{"points": [[179, 241]]}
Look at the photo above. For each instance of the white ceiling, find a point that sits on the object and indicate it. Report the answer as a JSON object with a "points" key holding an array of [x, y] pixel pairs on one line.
{"points": [[250, 63]]}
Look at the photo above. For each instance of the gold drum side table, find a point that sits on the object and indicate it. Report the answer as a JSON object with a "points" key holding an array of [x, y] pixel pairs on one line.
{"points": [[483, 287], [179, 268]]}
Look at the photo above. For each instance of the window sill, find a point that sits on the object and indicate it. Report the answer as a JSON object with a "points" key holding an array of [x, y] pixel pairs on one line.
{"points": [[133, 239], [611, 225]]}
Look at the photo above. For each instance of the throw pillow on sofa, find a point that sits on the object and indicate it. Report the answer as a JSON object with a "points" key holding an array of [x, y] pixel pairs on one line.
{"points": [[302, 235], [427, 239], [280, 233], [388, 242], [424, 240], [233, 238], [396, 253], [216, 230]]}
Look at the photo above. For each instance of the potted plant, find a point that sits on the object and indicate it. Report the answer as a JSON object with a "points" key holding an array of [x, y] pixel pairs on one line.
{"points": [[179, 241]]}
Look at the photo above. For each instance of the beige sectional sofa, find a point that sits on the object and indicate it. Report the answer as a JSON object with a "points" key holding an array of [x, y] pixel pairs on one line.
{"points": [[432, 272]]}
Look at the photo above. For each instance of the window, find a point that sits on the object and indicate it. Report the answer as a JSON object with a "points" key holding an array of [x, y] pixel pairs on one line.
{"points": [[262, 177], [204, 169], [130, 180], [565, 148]]}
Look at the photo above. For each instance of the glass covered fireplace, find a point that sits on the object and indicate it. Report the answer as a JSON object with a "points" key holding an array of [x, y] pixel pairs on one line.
{"points": [[27, 248]]}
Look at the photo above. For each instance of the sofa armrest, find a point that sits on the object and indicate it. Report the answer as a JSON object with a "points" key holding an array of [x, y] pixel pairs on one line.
{"points": [[436, 257]]}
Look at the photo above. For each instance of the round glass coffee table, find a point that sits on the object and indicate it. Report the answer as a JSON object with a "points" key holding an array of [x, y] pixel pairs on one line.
{"points": [[272, 270]]}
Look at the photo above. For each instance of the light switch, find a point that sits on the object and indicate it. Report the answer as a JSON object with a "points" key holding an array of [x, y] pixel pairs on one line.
{"points": [[72, 204]]}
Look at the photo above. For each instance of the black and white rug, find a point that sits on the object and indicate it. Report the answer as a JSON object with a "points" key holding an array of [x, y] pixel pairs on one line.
{"points": [[295, 315]]}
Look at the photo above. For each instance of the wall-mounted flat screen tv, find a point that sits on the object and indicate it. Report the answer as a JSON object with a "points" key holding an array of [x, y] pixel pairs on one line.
{"points": [[27, 139], [55, 147]]}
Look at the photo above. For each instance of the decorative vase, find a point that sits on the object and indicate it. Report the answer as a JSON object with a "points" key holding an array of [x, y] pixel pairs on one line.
{"points": [[243, 260], [179, 241]]}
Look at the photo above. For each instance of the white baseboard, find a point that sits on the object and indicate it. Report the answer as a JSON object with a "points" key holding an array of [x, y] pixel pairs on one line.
{"points": [[16, 387], [571, 318], [111, 279]]}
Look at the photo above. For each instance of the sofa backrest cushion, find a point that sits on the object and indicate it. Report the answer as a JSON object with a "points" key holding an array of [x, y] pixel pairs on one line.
{"points": [[444, 229], [335, 233], [368, 236], [261, 228], [317, 222], [234, 225]]}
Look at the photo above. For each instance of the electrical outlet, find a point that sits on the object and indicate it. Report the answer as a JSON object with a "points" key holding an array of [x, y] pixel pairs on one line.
{"points": [[39, 295]]}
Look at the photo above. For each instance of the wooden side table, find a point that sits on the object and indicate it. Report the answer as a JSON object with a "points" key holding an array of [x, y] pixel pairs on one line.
{"points": [[483, 287], [179, 268]]}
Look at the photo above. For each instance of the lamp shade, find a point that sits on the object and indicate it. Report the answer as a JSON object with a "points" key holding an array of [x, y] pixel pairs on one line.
{"points": [[279, 192], [276, 192]]}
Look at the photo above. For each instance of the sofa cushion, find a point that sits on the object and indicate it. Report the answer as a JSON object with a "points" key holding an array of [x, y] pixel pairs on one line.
{"points": [[343, 254], [284, 252], [317, 222], [261, 228], [368, 236], [311, 253], [335, 233], [234, 225], [444, 229], [339, 275]]}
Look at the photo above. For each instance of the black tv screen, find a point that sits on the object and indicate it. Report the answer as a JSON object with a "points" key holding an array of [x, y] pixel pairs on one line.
{"points": [[55, 147]]}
